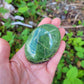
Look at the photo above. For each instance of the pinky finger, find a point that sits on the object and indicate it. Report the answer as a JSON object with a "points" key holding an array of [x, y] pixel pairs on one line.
{"points": [[52, 64]]}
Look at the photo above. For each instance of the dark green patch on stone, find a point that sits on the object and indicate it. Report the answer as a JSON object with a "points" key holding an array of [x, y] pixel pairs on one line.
{"points": [[42, 43]]}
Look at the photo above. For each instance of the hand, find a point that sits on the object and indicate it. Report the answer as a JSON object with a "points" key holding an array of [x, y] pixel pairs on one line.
{"points": [[19, 70]]}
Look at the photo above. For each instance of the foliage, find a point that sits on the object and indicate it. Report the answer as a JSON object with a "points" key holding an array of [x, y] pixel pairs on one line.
{"points": [[0, 33], [9, 37], [24, 35], [23, 9], [65, 12], [29, 8], [77, 44], [71, 77], [7, 24], [82, 63], [80, 33], [73, 53], [3, 11], [8, 1]]}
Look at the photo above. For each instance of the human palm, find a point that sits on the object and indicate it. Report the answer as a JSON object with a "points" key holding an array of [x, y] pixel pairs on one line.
{"points": [[19, 70]]}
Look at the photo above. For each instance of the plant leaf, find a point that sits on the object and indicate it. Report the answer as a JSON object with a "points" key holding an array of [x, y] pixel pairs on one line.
{"points": [[76, 81], [80, 73], [65, 69], [80, 54], [80, 33], [23, 9], [0, 33], [82, 63], [67, 81], [8, 1], [3, 11], [73, 72]]}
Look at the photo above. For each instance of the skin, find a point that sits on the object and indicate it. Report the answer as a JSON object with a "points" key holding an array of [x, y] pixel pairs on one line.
{"points": [[19, 70]]}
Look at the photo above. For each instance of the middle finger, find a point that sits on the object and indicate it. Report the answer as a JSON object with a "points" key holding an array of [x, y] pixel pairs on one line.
{"points": [[56, 22]]}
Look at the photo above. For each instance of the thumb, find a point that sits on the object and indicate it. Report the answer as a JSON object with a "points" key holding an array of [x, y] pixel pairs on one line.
{"points": [[4, 51]]}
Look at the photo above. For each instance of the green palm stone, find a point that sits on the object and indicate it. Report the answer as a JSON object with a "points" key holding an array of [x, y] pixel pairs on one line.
{"points": [[42, 43]]}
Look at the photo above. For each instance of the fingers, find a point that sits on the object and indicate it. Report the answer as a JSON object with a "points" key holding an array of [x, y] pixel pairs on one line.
{"points": [[52, 64], [4, 51], [45, 21], [21, 53], [57, 23], [62, 32]]}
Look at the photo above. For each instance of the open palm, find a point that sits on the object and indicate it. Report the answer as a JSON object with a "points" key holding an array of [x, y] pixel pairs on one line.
{"points": [[19, 70]]}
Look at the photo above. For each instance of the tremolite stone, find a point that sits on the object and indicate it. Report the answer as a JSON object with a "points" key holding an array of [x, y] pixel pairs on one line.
{"points": [[42, 43]]}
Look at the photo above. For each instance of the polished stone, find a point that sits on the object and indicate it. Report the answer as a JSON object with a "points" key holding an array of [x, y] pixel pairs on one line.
{"points": [[42, 43]]}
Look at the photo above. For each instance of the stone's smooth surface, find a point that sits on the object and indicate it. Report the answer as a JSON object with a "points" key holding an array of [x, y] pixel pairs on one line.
{"points": [[42, 43]]}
